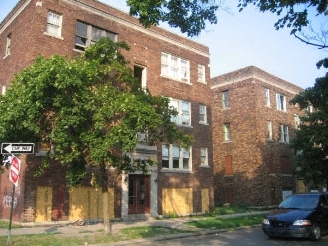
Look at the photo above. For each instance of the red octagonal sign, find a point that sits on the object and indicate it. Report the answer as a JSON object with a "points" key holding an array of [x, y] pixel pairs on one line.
{"points": [[14, 170]]}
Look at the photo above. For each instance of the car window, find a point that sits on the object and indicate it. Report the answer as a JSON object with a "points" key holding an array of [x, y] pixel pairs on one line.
{"points": [[300, 202]]}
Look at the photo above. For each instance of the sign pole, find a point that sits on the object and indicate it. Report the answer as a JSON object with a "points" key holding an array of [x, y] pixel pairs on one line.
{"points": [[11, 214]]}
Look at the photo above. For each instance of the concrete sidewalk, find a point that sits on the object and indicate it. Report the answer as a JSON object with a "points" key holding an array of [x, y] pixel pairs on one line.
{"points": [[71, 229]]}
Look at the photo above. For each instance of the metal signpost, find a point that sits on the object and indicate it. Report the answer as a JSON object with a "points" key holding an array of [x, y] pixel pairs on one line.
{"points": [[15, 166]]}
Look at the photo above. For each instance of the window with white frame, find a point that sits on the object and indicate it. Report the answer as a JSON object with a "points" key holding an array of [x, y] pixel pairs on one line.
{"points": [[54, 24], [8, 45], [203, 157], [281, 102], [283, 134], [267, 97], [225, 99], [309, 109], [175, 67], [226, 132], [297, 121], [184, 112], [175, 158], [4, 89], [87, 35], [201, 73], [202, 114], [269, 130]]}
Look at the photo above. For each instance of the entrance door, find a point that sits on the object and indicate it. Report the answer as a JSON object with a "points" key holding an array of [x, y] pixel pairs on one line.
{"points": [[139, 194]]}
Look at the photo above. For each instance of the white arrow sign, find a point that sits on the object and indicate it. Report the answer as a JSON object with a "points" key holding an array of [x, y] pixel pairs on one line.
{"points": [[17, 148]]}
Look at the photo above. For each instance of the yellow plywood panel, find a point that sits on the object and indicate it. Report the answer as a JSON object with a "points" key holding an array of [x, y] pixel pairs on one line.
{"points": [[205, 200], [86, 203], [177, 201], [43, 206]]}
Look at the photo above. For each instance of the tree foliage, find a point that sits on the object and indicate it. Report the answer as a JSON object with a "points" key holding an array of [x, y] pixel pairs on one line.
{"points": [[294, 14], [89, 108], [188, 15], [311, 141]]}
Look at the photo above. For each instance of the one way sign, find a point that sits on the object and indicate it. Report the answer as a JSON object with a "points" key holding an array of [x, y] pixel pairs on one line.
{"points": [[17, 148]]}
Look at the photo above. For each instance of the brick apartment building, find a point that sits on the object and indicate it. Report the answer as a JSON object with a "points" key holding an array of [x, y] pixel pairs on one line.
{"points": [[166, 63], [252, 125]]}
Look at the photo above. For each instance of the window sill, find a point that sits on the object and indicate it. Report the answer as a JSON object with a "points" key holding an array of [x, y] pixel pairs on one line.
{"points": [[167, 170], [184, 125], [270, 140], [6, 56], [203, 123], [204, 166], [226, 108], [177, 80], [283, 142], [227, 141], [54, 36], [202, 82]]}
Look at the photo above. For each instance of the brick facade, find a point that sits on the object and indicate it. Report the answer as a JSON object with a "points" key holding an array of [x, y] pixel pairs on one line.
{"points": [[26, 24], [261, 168]]}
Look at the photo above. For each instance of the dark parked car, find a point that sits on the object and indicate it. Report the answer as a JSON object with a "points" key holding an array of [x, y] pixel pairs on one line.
{"points": [[299, 216]]}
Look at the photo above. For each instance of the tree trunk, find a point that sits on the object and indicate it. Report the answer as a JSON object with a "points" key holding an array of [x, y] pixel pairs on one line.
{"points": [[105, 197]]}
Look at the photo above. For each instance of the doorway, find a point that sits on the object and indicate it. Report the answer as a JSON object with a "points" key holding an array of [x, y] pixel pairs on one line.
{"points": [[139, 194]]}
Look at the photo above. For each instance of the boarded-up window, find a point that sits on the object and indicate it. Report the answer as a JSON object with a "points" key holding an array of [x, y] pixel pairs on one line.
{"points": [[228, 165], [285, 165]]}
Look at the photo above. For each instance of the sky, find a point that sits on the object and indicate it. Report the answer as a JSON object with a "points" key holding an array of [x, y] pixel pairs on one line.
{"points": [[246, 38]]}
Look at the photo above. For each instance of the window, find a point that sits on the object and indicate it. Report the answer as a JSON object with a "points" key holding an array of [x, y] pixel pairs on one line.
{"points": [[269, 130], [87, 35], [281, 102], [309, 109], [203, 157], [183, 109], [283, 134], [8, 45], [174, 67], [202, 114], [4, 89], [226, 132], [225, 99], [201, 73], [175, 158], [297, 121], [267, 97], [54, 24]]}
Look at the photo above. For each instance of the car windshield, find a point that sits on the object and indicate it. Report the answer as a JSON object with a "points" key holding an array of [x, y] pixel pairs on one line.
{"points": [[300, 202]]}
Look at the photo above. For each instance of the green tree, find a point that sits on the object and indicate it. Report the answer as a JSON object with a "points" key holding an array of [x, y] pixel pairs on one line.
{"points": [[294, 14], [311, 141], [188, 15], [90, 109]]}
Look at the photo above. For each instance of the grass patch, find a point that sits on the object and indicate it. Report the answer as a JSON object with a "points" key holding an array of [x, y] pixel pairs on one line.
{"points": [[225, 223], [5, 225], [90, 238]]}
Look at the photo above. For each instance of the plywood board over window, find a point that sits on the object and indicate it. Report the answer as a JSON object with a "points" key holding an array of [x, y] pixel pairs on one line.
{"points": [[43, 206], [86, 203], [177, 201], [205, 200]]}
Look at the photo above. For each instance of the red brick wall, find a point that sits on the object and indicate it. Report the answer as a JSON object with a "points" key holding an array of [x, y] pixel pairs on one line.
{"points": [[251, 152], [29, 40]]}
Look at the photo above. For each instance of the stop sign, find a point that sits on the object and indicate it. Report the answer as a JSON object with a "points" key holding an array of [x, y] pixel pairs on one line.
{"points": [[14, 170]]}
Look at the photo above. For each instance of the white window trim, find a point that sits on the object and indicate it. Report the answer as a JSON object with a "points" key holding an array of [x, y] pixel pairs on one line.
{"points": [[226, 132], [269, 131], [297, 121], [205, 164], [281, 105], [225, 100], [203, 112], [181, 152], [179, 118], [283, 134], [3, 90], [58, 25], [201, 74], [8, 45], [167, 63], [267, 97]]}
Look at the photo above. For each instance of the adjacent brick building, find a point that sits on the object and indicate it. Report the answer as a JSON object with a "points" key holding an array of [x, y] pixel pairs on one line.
{"points": [[252, 125], [166, 63]]}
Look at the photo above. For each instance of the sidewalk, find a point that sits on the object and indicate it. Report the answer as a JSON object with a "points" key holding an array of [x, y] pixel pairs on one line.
{"points": [[73, 229]]}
